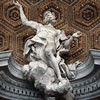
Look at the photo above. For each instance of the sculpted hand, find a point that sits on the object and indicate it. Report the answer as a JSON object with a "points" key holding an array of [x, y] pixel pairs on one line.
{"points": [[17, 3], [77, 34]]}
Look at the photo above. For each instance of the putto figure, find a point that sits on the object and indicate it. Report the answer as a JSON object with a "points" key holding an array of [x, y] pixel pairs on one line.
{"points": [[46, 66]]}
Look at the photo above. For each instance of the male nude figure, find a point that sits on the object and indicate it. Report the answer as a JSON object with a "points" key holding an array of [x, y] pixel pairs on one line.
{"points": [[46, 35]]}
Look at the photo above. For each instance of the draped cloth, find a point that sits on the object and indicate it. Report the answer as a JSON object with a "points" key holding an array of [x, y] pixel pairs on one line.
{"points": [[38, 69]]}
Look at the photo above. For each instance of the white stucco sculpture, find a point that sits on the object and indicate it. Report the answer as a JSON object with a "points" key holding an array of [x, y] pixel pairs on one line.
{"points": [[46, 67]]}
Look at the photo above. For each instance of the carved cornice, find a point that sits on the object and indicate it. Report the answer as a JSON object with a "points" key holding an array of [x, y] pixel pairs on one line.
{"points": [[14, 86], [89, 86], [12, 83], [87, 83]]}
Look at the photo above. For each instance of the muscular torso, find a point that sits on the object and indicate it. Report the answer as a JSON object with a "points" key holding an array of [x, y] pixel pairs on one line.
{"points": [[48, 33]]}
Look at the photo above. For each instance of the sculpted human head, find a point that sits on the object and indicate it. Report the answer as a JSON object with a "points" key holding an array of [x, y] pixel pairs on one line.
{"points": [[49, 17]]}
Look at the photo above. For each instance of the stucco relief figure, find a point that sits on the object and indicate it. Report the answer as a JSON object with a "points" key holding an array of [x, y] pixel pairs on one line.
{"points": [[46, 66]]}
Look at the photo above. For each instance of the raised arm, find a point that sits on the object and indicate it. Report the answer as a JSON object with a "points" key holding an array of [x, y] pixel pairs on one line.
{"points": [[67, 43], [24, 20]]}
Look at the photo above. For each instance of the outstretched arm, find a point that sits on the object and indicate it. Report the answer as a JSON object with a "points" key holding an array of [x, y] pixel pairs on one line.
{"points": [[23, 17], [67, 43]]}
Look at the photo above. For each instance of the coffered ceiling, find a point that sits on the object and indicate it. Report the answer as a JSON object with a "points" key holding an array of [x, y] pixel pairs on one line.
{"points": [[71, 15]]}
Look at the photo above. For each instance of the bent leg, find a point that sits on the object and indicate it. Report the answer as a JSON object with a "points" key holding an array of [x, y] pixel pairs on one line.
{"points": [[53, 63]]}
